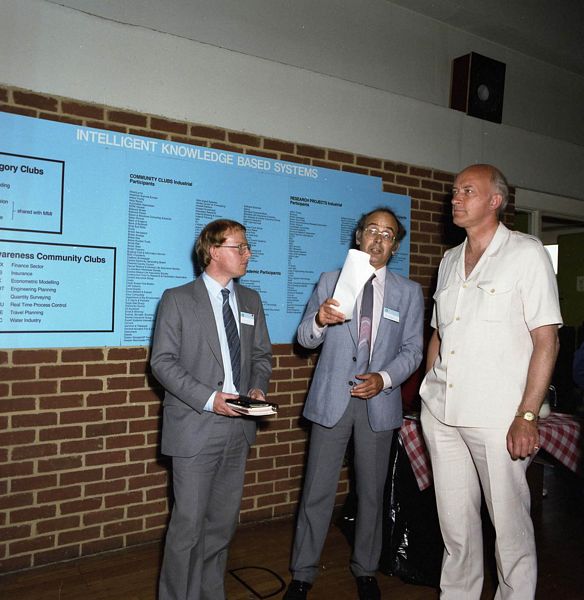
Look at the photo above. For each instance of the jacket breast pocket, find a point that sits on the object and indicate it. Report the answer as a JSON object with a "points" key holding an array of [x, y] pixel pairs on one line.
{"points": [[494, 300]]}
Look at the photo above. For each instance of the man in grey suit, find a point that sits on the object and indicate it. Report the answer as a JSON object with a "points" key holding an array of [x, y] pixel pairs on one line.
{"points": [[348, 397], [203, 356]]}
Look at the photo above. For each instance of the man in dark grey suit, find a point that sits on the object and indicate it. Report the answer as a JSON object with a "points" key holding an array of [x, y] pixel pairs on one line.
{"points": [[203, 356], [351, 397]]}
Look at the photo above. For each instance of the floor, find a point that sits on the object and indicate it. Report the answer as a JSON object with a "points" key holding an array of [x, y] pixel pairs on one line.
{"points": [[259, 558]]}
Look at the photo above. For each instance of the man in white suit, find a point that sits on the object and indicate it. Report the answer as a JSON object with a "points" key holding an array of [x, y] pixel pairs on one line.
{"points": [[344, 400], [210, 343], [490, 361]]}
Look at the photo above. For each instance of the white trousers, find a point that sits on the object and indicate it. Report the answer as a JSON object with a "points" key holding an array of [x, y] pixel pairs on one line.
{"points": [[464, 459]]}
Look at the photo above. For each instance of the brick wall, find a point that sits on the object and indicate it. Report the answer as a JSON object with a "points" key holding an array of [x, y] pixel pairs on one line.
{"points": [[79, 428]]}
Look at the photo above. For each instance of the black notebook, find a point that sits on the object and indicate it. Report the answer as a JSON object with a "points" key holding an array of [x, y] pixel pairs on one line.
{"points": [[249, 406]]}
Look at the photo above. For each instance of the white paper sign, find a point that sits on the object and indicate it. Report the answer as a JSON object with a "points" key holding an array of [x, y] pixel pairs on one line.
{"points": [[356, 271]]}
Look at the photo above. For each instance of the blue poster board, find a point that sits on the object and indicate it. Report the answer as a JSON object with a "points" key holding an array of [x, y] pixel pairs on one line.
{"points": [[95, 225]]}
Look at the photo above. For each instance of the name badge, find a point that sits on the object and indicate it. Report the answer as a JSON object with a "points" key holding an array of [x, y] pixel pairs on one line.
{"points": [[392, 315], [247, 318]]}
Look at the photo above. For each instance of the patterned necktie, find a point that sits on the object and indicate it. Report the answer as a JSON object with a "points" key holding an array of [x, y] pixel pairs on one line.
{"points": [[232, 338], [364, 345]]}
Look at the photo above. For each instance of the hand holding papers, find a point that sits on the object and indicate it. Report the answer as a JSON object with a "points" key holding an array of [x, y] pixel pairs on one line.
{"points": [[356, 271], [251, 407]]}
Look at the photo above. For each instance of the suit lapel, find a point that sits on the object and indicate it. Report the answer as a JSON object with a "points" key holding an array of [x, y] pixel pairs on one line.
{"points": [[392, 295], [204, 313]]}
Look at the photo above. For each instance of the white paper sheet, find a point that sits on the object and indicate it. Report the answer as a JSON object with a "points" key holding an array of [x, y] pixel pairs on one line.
{"points": [[356, 271]]}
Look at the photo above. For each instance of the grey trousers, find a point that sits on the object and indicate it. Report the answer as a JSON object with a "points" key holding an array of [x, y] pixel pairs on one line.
{"points": [[325, 459], [207, 496]]}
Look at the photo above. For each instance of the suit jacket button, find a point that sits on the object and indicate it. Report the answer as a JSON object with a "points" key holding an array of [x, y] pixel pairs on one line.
{"points": [[354, 359], [351, 383], [219, 383]]}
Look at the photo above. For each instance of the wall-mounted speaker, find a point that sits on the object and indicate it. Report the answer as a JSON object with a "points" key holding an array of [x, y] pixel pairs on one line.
{"points": [[478, 83]]}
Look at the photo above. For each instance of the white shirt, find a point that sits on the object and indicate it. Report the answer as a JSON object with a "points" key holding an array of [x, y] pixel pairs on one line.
{"points": [[378, 293], [484, 321], [216, 298]]}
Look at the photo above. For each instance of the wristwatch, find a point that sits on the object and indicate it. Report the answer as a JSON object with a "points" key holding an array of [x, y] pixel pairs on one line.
{"points": [[527, 415]]}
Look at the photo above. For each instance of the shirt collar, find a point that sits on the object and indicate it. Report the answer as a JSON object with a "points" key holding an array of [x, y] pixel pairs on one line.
{"points": [[214, 287]]}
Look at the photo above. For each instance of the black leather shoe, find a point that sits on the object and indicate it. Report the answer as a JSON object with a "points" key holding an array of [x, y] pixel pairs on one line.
{"points": [[368, 588], [297, 590]]}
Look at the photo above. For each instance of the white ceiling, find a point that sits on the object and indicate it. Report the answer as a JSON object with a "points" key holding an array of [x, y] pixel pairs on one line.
{"points": [[550, 30]]}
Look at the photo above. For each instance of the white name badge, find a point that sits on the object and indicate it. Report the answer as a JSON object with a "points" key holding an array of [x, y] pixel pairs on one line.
{"points": [[392, 315], [247, 318]]}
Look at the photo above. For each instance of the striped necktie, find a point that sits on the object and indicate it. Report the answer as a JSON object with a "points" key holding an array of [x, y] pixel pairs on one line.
{"points": [[365, 325], [232, 338]]}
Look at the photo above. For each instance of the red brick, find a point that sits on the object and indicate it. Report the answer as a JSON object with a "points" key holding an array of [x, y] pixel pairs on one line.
{"points": [[35, 100], [244, 139], [82, 355], [124, 441], [17, 405], [108, 428], [32, 513], [103, 516], [124, 383], [150, 508], [278, 145], [324, 164], [17, 373], [208, 132], [159, 493], [106, 369], [123, 499], [80, 535], [61, 401], [43, 419], [18, 110], [122, 527], [89, 111], [80, 476], [57, 371], [3, 95], [124, 471], [54, 556], [147, 481], [59, 494], [140, 367], [144, 425], [60, 433], [32, 544], [18, 563], [15, 501], [105, 458], [80, 506], [106, 398], [367, 161], [58, 524], [34, 388], [82, 446], [119, 413], [87, 415], [350, 169], [17, 469], [34, 357], [312, 151], [81, 385], [166, 125], [14, 532], [144, 396], [338, 156], [13, 438], [137, 353], [128, 118], [151, 535], [105, 487], [143, 454], [65, 463], [99, 546]]}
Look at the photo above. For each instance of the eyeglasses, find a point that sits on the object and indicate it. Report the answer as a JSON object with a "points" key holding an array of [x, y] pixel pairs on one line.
{"points": [[373, 232], [241, 248]]}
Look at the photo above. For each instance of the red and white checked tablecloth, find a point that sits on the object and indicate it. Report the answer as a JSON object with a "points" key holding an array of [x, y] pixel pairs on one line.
{"points": [[559, 435]]}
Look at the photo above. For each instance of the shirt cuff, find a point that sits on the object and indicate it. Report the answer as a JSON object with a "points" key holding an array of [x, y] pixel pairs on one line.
{"points": [[316, 330], [209, 405], [386, 379]]}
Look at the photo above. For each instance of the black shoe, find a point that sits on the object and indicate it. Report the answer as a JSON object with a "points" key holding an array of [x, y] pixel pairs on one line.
{"points": [[297, 590], [368, 588]]}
